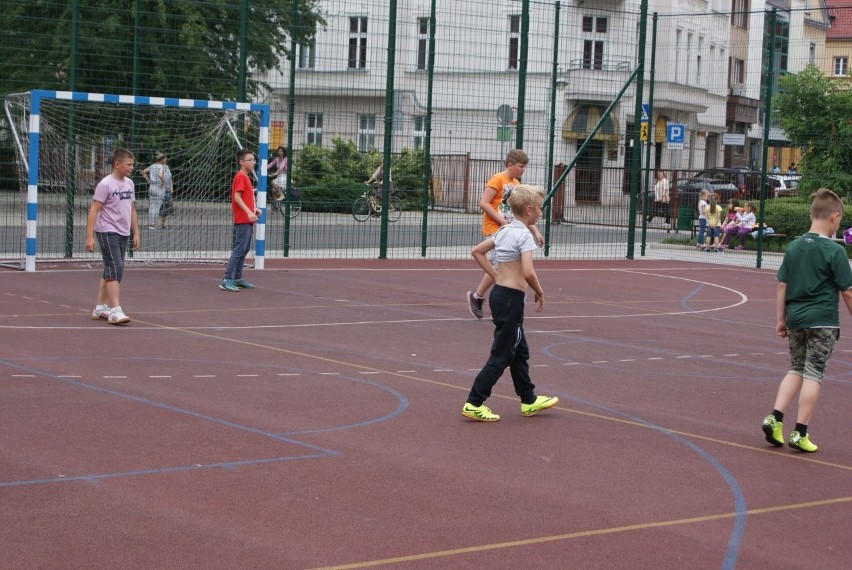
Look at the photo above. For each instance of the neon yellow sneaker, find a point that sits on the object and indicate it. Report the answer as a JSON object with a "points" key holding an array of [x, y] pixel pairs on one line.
{"points": [[541, 403], [801, 442], [479, 413], [773, 430]]}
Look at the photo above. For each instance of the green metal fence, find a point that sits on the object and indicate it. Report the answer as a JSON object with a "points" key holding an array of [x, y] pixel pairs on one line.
{"points": [[437, 92]]}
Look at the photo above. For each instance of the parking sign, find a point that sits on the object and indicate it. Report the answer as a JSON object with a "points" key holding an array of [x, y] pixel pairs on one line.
{"points": [[675, 133]]}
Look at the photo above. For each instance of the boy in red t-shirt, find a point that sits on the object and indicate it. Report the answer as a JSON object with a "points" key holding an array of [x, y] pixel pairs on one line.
{"points": [[496, 215], [245, 215]]}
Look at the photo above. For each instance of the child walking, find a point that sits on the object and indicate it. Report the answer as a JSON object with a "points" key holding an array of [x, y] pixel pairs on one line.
{"points": [[111, 221], [513, 245], [245, 215], [494, 216], [813, 272]]}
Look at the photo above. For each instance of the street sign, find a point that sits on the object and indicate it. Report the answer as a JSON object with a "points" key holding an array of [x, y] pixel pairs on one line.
{"points": [[675, 133], [733, 139], [643, 123], [504, 134], [505, 114]]}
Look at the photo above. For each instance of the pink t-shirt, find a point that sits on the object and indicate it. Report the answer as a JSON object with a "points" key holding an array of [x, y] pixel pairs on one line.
{"points": [[117, 196]]}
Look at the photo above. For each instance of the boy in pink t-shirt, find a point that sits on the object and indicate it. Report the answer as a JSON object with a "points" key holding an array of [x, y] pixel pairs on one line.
{"points": [[111, 221]]}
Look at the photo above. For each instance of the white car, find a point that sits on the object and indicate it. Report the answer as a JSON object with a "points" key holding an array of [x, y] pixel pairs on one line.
{"points": [[783, 185]]}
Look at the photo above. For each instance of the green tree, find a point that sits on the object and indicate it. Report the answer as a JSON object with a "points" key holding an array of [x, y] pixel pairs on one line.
{"points": [[186, 48], [815, 112]]}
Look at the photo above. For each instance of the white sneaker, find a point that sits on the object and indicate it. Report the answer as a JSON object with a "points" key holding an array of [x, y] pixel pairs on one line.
{"points": [[100, 312], [117, 316]]}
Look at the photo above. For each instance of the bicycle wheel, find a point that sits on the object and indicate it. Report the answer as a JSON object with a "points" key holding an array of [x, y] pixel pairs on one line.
{"points": [[295, 208], [361, 209], [394, 209]]}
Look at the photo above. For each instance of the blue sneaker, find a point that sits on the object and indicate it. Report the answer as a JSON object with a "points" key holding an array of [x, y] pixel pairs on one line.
{"points": [[243, 284], [228, 285]]}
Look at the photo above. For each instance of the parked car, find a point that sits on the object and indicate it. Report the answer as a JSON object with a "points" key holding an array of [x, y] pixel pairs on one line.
{"points": [[727, 183], [783, 185]]}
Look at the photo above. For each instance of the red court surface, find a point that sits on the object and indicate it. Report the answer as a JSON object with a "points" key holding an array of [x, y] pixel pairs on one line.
{"points": [[314, 422]]}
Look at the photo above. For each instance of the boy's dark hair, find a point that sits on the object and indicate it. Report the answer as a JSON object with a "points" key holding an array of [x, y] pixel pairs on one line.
{"points": [[120, 154], [825, 203], [242, 153]]}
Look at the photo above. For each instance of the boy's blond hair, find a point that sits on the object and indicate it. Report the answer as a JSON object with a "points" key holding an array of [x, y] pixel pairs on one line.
{"points": [[825, 203], [516, 156], [524, 195]]}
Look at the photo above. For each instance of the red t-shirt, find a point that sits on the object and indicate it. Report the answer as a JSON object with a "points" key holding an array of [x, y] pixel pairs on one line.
{"points": [[242, 185]]}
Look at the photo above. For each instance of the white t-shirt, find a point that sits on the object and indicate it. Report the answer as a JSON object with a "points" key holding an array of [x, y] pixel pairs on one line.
{"points": [[702, 205], [512, 240], [117, 197]]}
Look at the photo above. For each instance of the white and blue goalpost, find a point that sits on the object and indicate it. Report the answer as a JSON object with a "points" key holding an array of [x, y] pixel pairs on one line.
{"points": [[31, 155]]}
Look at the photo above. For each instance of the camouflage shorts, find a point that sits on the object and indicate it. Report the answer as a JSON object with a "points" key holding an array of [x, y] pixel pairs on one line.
{"points": [[810, 350]]}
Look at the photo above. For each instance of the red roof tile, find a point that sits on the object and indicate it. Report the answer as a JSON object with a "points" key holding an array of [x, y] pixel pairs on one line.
{"points": [[841, 24]]}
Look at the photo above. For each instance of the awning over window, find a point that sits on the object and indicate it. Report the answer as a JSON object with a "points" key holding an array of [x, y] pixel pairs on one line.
{"points": [[582, 121]]}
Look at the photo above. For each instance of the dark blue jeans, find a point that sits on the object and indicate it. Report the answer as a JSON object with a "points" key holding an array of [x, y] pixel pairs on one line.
{"points": [[509, 348], [242, 245]]}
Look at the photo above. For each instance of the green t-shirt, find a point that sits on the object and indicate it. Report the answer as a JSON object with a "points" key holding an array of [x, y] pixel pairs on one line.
{"points": [[815, 270]]}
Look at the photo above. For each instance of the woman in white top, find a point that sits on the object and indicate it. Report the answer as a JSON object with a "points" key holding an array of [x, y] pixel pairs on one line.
{"points": [[159, 179], [661, 198]]}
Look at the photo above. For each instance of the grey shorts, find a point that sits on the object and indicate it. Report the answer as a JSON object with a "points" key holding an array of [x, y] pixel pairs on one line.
{"points": [[113, 247], [810, 350]]}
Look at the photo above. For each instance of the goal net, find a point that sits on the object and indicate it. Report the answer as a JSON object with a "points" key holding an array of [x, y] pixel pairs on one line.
{"points": [[64, 143]]}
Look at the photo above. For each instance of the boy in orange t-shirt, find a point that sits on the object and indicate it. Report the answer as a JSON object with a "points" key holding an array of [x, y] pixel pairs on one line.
{"points": [[495, 215]]}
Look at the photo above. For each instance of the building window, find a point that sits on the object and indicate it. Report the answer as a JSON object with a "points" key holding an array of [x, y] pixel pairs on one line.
{"points": [[366, 132], [357, 43], [419, 132], [737, 72], [739, 13], [422, 43], [698, 61], [594, 31], [514, 41], [688, 57], [812, 53], [841, 66], [678, 55], [313, 129], [307, 54]]}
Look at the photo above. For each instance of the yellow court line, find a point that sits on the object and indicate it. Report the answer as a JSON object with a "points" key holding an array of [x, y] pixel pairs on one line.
{"points": [[581, 534], [361, 367]]}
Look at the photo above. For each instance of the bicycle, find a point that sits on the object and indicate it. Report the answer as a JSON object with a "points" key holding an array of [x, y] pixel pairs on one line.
{"points": [[368, 204], [281, 205]]}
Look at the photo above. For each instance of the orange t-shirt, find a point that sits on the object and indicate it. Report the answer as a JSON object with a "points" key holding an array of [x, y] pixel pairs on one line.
{"points": [[499, 182]]}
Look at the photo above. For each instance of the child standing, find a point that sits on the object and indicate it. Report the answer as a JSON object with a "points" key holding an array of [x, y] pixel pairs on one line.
{"points": [[702, 217], [111, 221], [813, 272], [245, 215], [494, 216], [513, 245], [714, 216]]}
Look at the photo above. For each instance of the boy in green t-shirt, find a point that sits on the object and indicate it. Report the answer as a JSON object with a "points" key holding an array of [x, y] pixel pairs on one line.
{"points": [[815, 269]]}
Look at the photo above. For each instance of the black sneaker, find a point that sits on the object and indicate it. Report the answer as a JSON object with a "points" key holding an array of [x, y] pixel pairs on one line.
{"points": [[475, 305]]}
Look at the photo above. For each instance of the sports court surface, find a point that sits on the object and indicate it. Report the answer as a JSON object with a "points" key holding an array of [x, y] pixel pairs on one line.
{"points": [[314, 422]]}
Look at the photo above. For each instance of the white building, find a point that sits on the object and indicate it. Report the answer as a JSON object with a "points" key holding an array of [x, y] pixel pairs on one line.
{"points": [[341, 80]]}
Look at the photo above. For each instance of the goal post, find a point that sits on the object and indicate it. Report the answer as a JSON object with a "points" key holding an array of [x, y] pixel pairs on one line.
{"points": [[64, 142]]}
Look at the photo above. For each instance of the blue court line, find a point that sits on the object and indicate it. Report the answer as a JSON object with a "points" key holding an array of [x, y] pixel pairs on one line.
{"points": [[729, 562], [323, 452], [403, 405], [160, 471]]}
